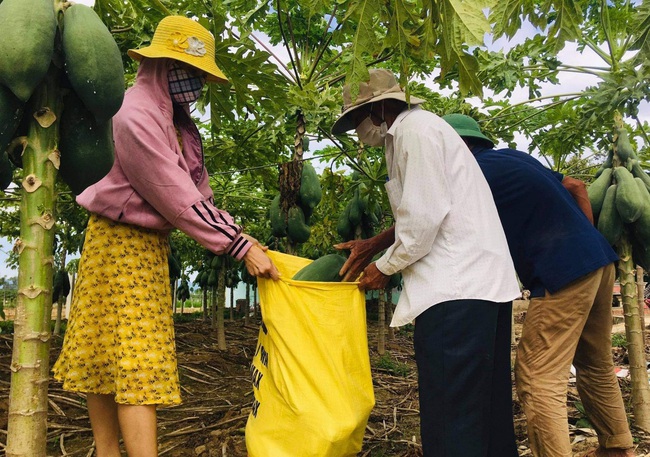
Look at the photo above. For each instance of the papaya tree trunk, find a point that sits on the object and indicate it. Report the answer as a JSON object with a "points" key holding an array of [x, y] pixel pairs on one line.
{"points": [[174, 298], [290, 176], [640, 287], [205, 304], [213, 307], [61, 299], [232, 303], [221, 308], [634, 334], [247, 305], [389, 314], [27, 422], [68, 301], [381, 335]]}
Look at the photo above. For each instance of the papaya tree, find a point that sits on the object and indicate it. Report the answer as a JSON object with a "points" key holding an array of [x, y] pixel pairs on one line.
{"points": [[219, 302], [47, 126], [183, 293], [250, 282], [232, 280], [620, 198], [572, 131]]}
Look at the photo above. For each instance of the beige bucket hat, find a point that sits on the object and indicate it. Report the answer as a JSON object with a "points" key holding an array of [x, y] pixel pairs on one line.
{"points": [[381, 85], [185, 40]]}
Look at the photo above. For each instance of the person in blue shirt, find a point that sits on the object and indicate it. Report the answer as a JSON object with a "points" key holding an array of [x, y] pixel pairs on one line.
{"points": [[568, 267]]}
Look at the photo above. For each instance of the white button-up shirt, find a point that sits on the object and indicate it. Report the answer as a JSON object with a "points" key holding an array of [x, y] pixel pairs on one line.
{"points": [[449, 243]]}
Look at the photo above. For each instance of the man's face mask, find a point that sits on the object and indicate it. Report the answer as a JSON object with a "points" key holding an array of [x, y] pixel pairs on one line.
{"points": [[184, 86], [371, 134]]}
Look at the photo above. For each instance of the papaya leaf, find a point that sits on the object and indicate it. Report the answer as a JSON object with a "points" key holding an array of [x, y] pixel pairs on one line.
{"points": [[360, 19], [506, 17], [641, 33], [566, 26]]}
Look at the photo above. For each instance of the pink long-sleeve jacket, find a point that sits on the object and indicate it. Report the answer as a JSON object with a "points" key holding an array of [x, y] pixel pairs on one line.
{"points": [[153, 182]]}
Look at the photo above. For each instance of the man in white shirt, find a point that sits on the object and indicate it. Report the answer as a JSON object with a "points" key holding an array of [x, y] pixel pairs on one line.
{"points": [[459, 280]]}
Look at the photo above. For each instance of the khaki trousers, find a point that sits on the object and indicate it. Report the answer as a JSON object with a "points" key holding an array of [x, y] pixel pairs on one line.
{"points": [[573, 324]]}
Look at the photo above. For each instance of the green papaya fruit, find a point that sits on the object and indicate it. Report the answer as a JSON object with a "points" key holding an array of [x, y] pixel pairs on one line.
{"points": [[60, 285], [343, 227], [183, 291], [203, 279], [641, 255], [26, 44], [212, 278], [609, 221], [597, 190], [323, 269], [629, 201], [174, 267], [86, 146], [623, 146], [297, 230], [645, 193], [637, 172], [278, 219], [641, 228], [363, 196], [11, 113], [367, 226], [6, 171], [93, 62], [355, 211], [310, 193], [16, 150], [215, 263]]}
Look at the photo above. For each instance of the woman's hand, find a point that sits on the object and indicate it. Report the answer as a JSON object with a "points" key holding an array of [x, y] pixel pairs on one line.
{"points": [[259, 264], [255, 242]]}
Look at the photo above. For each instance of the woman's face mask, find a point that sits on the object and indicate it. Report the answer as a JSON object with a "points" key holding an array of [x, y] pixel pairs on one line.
{"points": [[184, 86], [371, 134]]}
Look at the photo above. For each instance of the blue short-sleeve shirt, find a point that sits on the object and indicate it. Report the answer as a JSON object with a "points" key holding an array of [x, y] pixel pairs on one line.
{"points": [[551, 241]]}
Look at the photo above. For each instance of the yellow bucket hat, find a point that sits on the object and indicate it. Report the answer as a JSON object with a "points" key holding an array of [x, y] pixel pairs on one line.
{"points": [[185, 40]]}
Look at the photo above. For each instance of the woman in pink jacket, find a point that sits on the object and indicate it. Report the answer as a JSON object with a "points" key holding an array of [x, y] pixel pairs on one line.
{"points": [[119, 345]]}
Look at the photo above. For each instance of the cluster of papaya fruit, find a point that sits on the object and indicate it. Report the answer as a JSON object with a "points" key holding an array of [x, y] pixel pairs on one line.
{"points": [[208, 274], [620, 198], [183, 291], [60, 286], [174, 264], [294, 223], [359, 218], [91, 85]]}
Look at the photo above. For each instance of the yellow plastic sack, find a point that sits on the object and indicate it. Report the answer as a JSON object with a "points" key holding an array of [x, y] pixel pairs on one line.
{"points": [[311, 370]]}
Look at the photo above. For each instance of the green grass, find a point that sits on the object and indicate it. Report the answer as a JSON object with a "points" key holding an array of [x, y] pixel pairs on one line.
{"points": [[619, 340], [393, 367]]}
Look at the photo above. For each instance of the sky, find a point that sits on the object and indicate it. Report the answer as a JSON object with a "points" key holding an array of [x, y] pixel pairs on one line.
{"points": [[570, 82]]}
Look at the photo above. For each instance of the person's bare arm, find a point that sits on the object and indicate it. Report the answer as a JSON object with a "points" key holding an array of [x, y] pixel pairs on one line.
{"points": [[362, 252], [578, 191]]}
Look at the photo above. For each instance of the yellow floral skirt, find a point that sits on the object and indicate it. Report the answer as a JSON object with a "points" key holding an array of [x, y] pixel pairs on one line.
{"points": [[120, 335]]}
